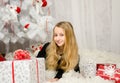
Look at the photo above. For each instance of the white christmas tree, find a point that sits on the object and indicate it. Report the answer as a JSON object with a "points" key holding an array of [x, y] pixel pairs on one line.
{"points": [[25, 19]]}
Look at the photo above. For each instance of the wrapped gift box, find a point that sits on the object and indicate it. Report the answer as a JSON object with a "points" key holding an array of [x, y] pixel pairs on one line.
{"points": [[22, 71], [106, 69], [109, 72], [117, 75]]}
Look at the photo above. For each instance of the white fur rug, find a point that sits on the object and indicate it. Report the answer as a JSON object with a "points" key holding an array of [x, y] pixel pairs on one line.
{"points": [[73, 77]]}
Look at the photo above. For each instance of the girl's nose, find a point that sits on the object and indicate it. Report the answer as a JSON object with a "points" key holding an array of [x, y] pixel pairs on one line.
{"points": [[58, 37]]}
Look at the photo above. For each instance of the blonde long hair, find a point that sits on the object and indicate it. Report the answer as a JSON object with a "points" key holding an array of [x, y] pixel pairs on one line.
{"points": [[70, 50]]}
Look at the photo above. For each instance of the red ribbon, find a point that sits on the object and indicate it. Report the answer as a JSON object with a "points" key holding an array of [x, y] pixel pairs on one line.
{"points": [[13, 76], [37, 71]]}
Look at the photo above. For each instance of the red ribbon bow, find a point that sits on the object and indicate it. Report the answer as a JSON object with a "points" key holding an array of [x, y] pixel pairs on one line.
{"points": [[21, 54]]}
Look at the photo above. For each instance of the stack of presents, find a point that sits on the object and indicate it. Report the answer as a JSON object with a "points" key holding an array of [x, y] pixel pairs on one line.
{"points": [[22, 69]]}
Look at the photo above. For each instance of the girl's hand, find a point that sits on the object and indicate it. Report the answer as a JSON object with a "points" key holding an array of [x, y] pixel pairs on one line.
{"points": [[53, 80]]}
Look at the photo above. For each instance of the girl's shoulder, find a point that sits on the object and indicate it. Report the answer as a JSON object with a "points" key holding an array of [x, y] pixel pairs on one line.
{"points": [[42, 52], [46, 44]]}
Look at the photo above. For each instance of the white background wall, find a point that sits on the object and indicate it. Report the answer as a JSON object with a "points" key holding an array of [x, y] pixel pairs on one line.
{"points": [[96, 22], [116, 24]]}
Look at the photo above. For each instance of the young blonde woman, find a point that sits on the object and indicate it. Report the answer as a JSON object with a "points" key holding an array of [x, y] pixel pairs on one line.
{"points": [[61, 54]]}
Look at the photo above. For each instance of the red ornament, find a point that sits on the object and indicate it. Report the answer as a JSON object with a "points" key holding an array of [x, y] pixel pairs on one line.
{"points": [[18, 10], [40, 47], [44, 3], [32, 46], [2, 58], [26, 26]]}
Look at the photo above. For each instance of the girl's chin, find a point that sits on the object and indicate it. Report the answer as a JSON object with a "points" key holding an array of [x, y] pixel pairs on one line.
{"points": [[60, 45]]}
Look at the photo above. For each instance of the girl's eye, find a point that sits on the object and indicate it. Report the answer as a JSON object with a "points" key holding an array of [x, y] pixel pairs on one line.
{"points": [[58, 35], [61, 34], [37, 1], [55, 35]]}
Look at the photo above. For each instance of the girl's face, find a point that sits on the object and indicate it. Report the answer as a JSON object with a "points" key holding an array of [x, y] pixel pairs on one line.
{"points": [[59, 36]]}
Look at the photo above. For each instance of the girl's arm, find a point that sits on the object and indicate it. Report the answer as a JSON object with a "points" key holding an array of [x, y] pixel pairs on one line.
{"points": [[42, 53], [59, 73]]}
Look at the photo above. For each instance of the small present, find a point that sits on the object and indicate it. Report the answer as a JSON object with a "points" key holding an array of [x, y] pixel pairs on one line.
{"points": [[23, 71], [106, 69], [109, 72]]}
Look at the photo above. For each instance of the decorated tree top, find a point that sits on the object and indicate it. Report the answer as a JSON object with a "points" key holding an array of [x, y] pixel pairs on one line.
{"points": [[25, 19]]}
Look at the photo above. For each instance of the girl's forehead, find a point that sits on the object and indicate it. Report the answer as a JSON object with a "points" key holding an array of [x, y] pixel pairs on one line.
{"points": [[58, 29]]}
